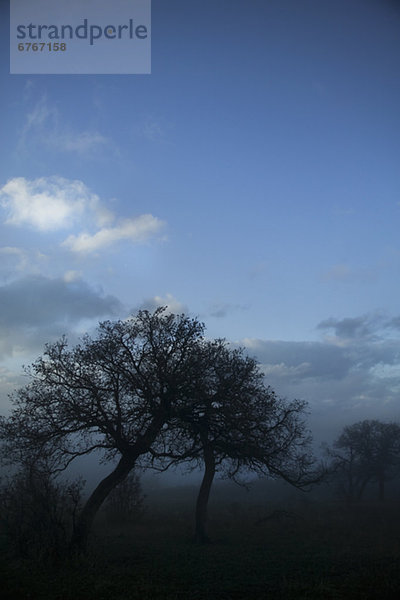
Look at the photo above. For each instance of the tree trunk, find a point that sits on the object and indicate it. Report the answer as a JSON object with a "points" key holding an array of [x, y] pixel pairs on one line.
{"points": [[202, 498], [85, 520], [127, 462]]}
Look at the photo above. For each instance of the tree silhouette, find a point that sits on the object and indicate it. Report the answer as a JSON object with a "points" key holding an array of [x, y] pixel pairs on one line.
{"points": [[151, 388], [366, 452], [113, 393], [233, 424]]}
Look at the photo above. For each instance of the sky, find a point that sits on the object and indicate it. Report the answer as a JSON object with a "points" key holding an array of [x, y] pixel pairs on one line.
{"points": [[251, 180]]}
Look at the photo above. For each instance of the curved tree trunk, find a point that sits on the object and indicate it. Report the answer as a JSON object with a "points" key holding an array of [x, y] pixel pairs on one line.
{"points": [[204, 494], [85, 519]]}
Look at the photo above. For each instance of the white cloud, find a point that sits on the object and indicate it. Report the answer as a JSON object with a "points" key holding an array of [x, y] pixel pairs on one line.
{"points": [[39, 115], [49, 203], [70, 276], [83, 143], [384, 371], [54, 203], [42, 126], [136, 230], [281, 370], [172, 304], [156, 129]]}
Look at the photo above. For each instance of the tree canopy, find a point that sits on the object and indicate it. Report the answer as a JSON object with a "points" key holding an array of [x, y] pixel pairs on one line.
{"points": [[234, 424], [366, 452], [114, 393]]}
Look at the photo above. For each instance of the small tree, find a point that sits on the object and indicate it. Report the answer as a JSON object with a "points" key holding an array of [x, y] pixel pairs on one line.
{"points": [[365, 452], [234, 424]]}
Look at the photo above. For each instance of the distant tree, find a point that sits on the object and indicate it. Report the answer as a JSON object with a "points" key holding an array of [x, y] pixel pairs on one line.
{"points": [[365, 452], [345, 469], [114, 393], [234, 424]]}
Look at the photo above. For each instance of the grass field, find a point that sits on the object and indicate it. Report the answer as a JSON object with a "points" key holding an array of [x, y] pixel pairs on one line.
{"points": [[317, 550]]}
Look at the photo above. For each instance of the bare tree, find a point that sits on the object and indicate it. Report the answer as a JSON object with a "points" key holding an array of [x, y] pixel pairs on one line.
{"points": [[234, 424], [153, 386], [113, 393], [365, 452]]}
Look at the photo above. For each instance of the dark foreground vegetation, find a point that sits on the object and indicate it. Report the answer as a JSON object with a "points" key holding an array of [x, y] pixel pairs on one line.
{"points": [[292, 547]]}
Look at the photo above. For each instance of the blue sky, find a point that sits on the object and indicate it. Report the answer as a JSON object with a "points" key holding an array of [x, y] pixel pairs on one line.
{"points": [[252, 180]]}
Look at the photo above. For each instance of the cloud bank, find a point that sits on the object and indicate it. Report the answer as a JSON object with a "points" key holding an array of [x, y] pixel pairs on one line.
{"points": [[348, 376], [37, 309]]}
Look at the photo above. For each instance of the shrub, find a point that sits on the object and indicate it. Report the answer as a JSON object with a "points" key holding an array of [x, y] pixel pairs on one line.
{"points": [[37, 513]]}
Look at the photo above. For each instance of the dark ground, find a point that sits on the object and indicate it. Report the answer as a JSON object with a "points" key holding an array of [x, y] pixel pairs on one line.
{"points": [[316, 549]]}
